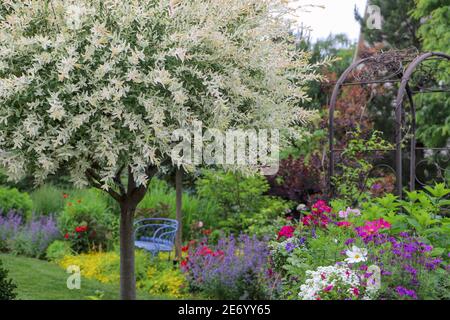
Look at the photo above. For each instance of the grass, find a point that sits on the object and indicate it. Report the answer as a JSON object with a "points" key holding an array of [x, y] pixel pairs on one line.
{"points": [[42, 280]]}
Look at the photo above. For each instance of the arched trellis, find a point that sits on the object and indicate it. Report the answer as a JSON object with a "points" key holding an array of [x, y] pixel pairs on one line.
{"points": [[386, 67]]}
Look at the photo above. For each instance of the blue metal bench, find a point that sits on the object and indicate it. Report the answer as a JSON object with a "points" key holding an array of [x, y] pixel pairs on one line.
{"points": [[155, 235]]}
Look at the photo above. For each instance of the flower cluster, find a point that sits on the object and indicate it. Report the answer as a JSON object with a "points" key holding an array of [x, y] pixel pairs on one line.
{"points": [[349, 212], [79, 230], [334, 282], [318, 216], [30, 237], [286, 232], [229, 266], [371, 228], [404, 292]]}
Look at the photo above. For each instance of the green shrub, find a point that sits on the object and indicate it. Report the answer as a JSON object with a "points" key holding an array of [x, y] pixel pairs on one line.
{"points": [[47, 199], [233, 192], [13, 199], [57, 250], [242, 203], [7, 287], [88, 208]]}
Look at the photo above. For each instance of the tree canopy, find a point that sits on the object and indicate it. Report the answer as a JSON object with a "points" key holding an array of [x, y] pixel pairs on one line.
{"points": [[100, 85]]}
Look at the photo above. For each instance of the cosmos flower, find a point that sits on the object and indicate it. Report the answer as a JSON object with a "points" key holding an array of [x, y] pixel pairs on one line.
{"points": [[356, 255]]}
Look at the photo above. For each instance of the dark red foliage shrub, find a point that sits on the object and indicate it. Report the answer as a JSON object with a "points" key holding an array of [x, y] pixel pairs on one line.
{"points": [[299, 180]]}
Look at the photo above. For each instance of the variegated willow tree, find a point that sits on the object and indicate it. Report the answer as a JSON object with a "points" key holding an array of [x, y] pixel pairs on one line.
{"points": [[97, 87]]}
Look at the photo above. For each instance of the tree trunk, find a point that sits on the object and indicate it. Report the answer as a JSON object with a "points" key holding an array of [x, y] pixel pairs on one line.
{"points": [[179, 203], [127, 274]]}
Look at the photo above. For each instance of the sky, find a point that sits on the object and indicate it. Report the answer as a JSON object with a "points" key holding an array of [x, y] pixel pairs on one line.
{"points": [[336, 17]]}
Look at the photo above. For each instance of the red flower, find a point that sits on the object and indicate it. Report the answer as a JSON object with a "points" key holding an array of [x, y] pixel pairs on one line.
{"points": [[65, 195], [69, 204], [205, 251], [81, 229], [66, 236], [185, 249], [78, 201], [287, 232], [184, 264], [344, 224], [218, 253]]}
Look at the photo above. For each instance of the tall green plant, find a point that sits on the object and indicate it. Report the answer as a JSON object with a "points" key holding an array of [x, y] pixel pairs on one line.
{"points": [[356, 165], [47, 199]]}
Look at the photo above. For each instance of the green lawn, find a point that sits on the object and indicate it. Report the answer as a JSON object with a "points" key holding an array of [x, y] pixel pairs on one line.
{"points": [[42, 280]]}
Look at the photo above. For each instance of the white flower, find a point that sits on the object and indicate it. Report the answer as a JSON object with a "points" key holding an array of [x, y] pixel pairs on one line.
{"points": [[356, 255]]}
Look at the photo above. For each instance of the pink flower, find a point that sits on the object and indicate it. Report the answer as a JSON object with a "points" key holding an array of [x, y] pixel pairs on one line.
{"points": [[372, 227], [343, 214], [307, 220], [344, 224], [287, 232], [328, 288], [348, 212], [320, 207], [355, 291]]}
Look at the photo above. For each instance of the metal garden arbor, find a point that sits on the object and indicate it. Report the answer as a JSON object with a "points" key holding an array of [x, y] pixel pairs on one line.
{"points": [[392, 67]]}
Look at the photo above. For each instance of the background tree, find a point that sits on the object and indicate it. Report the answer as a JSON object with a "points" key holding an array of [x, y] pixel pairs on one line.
{"points": [[434, 114], [399, 28], [98, 87]]}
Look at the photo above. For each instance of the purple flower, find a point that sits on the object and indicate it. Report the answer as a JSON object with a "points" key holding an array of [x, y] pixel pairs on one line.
{"points": [[385, 273], [432, 264], [290, 247], [28, 238], [410, 269], [242, 260], [376, 186], [349, 241], [402, 291]]}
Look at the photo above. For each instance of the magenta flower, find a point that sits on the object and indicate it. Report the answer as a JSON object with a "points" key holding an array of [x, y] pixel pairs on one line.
{"points": [[287, 232]]}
